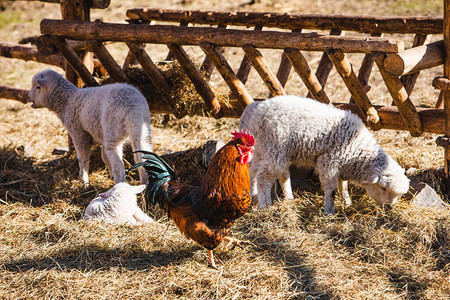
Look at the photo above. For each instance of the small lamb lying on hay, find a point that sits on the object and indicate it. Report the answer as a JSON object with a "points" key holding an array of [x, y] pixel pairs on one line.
{"points": [[293, 130], [105, 115], [118, 206]]}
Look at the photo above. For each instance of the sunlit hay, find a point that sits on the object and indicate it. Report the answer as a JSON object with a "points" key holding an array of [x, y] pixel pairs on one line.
{"points": [[184, 96]]}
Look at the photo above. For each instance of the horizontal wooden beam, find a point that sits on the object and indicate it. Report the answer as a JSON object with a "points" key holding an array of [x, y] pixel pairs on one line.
{"points": [[366, 24], [26, 53], [101, 4], [415, 59], [13, 93], [220, 37]]}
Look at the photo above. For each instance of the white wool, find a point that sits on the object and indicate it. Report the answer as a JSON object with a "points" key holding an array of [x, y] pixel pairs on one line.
{"points": [[301, 131], [105, 115], [118, 206]]}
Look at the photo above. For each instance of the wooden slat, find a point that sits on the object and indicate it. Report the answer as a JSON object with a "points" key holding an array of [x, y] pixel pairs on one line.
{"points": [[303, 69], [345, 69], [400, 96], [409, 80], [152, 71], [74, 61], [246, 65], [13, 93], [164, 34], [221, 64], [365, 24], [108, 61], [262, 67], [285, 66], [325, 65], [182, 24], [207, 67], [26, 53], [200, 84], [446, 96], [365, 70]]}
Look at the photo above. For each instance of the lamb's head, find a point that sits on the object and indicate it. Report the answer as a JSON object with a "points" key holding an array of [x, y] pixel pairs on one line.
{"points": [[123, 191], [386, 187], [42, 84]]}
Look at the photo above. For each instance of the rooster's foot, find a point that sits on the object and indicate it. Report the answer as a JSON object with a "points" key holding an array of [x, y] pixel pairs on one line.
{"points": [[236, 242]]}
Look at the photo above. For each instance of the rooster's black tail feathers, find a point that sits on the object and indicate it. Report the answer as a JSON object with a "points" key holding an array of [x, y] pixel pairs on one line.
{"points": [[159, 174]]}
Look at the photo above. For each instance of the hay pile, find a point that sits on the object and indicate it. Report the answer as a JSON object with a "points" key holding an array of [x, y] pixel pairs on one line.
{"points": [[184, 95]]}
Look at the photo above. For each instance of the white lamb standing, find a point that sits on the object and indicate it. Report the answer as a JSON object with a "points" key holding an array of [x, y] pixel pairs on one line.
{"points": [[105, 115], [301, 131], [118, 206]]}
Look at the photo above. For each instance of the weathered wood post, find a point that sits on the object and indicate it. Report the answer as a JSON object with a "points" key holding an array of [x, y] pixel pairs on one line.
{"points": [[446, 92]]}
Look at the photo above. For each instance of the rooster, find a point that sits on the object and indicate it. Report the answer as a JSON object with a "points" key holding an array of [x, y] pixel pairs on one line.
{"points": [[205, 212]]}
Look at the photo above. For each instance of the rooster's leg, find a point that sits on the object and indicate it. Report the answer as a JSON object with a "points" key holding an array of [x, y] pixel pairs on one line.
{"points": [[211, 262]]}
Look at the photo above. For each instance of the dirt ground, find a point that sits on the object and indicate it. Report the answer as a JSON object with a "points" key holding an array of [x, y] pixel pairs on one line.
{"points": [[48, 252]]}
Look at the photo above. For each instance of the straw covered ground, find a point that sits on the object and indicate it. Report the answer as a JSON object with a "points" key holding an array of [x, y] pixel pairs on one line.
{"points": [[48, 252]]}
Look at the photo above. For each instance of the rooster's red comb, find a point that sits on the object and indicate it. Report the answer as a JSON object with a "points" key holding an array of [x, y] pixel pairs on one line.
{"points": [[245, 135]]}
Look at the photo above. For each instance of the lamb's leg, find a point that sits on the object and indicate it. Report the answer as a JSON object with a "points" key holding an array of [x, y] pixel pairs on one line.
{"points": [[253, 182], [105, 160], [82, 143], [285, 182], [265, 181], [141, 140], [142, 217], [343, 191], [114, 154]]}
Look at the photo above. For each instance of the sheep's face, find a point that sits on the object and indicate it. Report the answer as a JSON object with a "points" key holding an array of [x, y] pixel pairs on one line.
{"points": [[40, 88], [382, 195], [390, 185]]}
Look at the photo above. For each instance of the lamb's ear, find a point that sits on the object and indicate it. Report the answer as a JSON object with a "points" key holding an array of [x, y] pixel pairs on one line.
{"points": [[42, 82], [373, 179], [106, 194], [139, 188]]}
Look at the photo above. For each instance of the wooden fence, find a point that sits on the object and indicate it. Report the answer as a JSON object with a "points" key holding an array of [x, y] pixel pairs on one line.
{"points": [[75, 38]]}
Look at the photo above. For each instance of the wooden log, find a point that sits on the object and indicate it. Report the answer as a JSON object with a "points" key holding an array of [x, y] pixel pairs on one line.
{"points": [[284, 69], [401, 99], [246, 65], [156, 77], [440, 101], [345, 69], [207, 67], [262, 67], [365, 70], [390, 118], [164, 34], [74, 61], [365, 24], [325, 65], [46, 47], [441, 83], [446, 94], [107, 61], [221, 64], [409, 80], [100, 4], [27, 53], [169, 55], [14, 94], [415, 59], [200, 84], [308, 77]]}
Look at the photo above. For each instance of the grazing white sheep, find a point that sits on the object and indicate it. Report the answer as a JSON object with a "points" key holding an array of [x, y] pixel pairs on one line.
{"points": [[301, 131], [105, 115], [118, 206]]}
